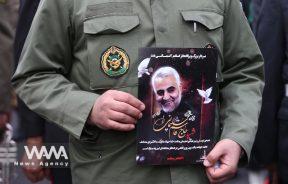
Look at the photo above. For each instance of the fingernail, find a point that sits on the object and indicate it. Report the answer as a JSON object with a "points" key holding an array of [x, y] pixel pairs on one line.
{"points": [[206, 163], [132, 127], [140, 115], [142, 107]]}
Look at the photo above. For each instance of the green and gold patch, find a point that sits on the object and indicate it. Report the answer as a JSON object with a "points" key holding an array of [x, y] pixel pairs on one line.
{"points": [[115, 62]]}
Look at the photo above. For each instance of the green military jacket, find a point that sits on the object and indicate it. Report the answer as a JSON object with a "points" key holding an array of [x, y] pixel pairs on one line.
{"points": [[60, 75]]}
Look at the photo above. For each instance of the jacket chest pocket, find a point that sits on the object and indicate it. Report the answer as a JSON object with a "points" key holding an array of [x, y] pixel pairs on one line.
{"points": [[112, 47], [204, 28]]}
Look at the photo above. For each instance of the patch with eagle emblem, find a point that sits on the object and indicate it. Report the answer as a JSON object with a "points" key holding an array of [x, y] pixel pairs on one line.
{"points": [[115, 62]]}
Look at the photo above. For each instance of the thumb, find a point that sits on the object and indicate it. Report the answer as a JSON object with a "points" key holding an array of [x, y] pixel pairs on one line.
{"points": [[213, 156]]}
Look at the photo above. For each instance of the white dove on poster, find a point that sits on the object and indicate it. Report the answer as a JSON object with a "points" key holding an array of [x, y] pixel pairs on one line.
{"points": [[205, 94], [142, 68]]}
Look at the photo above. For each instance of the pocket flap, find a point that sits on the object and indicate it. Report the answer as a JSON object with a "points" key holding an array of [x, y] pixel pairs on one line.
{"points": [[111, 24], [209, 19]]}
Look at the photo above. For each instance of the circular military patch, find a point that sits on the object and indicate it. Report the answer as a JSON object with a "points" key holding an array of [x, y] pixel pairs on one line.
{"points": [[115, 62]]}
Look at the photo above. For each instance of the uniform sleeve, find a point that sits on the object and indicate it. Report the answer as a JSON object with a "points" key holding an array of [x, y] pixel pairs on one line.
{"points": [[242, 70], [41, 79]]}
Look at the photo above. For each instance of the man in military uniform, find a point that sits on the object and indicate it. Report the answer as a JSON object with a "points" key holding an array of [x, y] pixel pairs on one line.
{"points": [[70, 42]]}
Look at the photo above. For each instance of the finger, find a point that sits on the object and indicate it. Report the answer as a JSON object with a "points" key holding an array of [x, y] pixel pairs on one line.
{"points": [[219, 180], [213, 156], [224, 171], [127, 109], [121, 117], [210, 177], [130, 99], [222, 180], [102, 126], [119, 126]]}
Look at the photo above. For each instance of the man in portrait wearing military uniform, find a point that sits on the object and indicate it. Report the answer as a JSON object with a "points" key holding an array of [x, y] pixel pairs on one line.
{"points": [[62, 76]]}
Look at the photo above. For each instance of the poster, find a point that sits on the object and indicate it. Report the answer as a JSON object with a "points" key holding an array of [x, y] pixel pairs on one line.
{"points": [[178, 88]]}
